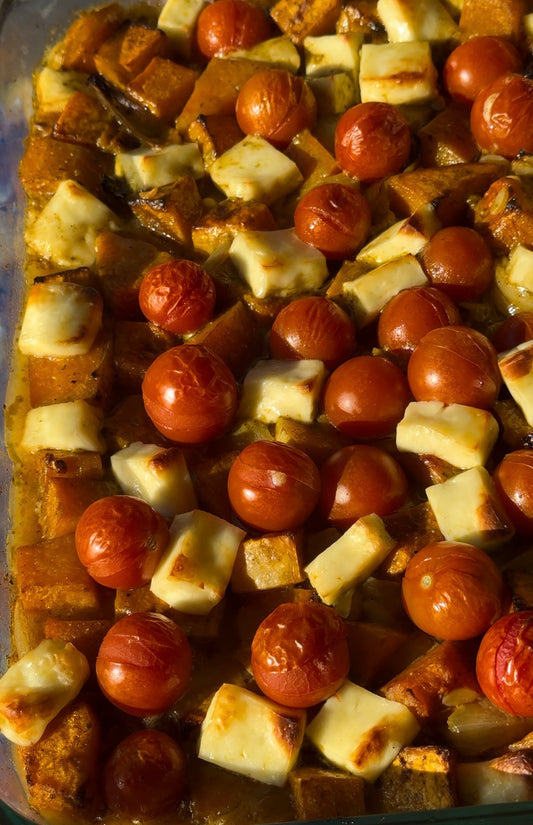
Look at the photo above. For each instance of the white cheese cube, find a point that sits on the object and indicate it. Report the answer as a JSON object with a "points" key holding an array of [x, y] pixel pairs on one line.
{"points": [[253, 169], [277, 263], [278, 51], [407, 20], [158, 475], [275, 389], [146, 169], [512, 276], [54, 88], [70, 425], [370, 292], [397, 73], [37, 687], [247, 733], [467, 508], [65, 231], [350, 559], [361, 732], [461, 435], [196, 567], [177, 19], [516, 368], [334, 93], [60, 320], [520, 269], [404, 237], [331, 53]]}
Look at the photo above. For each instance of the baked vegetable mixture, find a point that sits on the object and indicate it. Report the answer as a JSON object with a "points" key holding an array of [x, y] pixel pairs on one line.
{"points": [[272, 414]]}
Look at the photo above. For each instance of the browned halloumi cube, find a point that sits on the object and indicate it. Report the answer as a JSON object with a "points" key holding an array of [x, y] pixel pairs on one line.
{"points": [[321, 793], [268, 561], [85, 634], [505, 213], [84, 120], [163, 87], [129, 423], [306, 18], [127, 52], [420, 778], [86, 34], [215, 134], [63, 500], [137, 344], [233, 336], [232, 215], [446, 139], [411, 528], [503, 18], [170, 211]]}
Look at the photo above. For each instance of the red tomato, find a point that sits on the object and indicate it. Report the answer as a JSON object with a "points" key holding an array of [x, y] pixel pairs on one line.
{"points": [[272, 486], [144, 664], [501, 118], [516, 329], [358, 480], [227, 25], [476, 63], [412, 313], [366, 396], [178, 296], [313, 327], [120, 540], [372, 140], [190, 394], [276, 105], [300, 654], [459, 261], [513, 479], [334, 218], [453, 590], [504, 664], [455, 364], [145, 776]]}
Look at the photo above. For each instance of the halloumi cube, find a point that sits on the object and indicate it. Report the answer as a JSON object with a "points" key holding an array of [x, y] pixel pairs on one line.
{"points": [[397, 73], [369, 293], [516, 368], [407, 20], [361, 732], [275, 389], [159, 475], [196, 566], [146, 169], [350, 559], [467, 509], [177, 19], [70, 425], [37, 687], [277, 51], [330, 53], [247, 733], [54, 88], [334, 93], [519, 271], [459, 434], [405, 237], [277, 263]]}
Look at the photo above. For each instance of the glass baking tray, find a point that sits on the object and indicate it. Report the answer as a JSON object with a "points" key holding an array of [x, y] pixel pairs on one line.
{"points": [[26, 28]]}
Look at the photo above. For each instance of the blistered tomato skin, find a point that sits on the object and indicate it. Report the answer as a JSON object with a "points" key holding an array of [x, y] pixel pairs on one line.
{"points": [[476, 63], [504, 664], [300, 654], [190, 394], [372, 140], [179, 296], [513, 479], [453, 590], [144, 664], [501, 118], [273, 486], [334, 218], [459, 262], [227, 25]]}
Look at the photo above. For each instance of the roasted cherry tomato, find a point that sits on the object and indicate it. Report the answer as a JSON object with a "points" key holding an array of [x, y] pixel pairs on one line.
{"points": [[300, 654], [227, 25], [334, 218], [120, 540], [358, 480], [501, 118], [476, 63], [276, 105], [366, 396], [460, 262], [178, 296], [516, 329], [455, 364], [504, 664], [272, 486], [513, 479], [453, 590], [372, 140], [146, 775], [144, 664], [190, 394], [313, 327]]}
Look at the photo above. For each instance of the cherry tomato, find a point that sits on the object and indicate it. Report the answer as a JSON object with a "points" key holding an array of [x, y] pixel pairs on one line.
{"points": [[504, 664], [453, 590], [372, 140], [146, 775], [313, 327], [459, 261], [516, 329], [227, 25], [144, 664], [501, 118], [358, 480], [300, 654], [455, 364], [334, 218], [366, 396], [476, 63], [190, 394], [120, 540], [513, 479], [272, 486], [412, 313], [276, 105], [178, 296]]}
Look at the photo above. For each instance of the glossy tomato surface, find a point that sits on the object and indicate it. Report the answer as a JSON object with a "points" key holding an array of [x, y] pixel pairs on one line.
{"points": [[504, 664], [372, 140], [501, 118], [178, 296], [273, 486], [300, 654], [190, 394], [514, 330], [453, 590], [513, 479], [120, 540], [144, 664], [227, 25], [476, 63], [334, 218], [459, 262]]}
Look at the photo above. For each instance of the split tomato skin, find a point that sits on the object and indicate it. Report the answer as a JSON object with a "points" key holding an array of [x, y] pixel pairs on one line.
{"points": [[501, 118], [179, 296], [372, 140], [504, 663], [334, 218]]}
